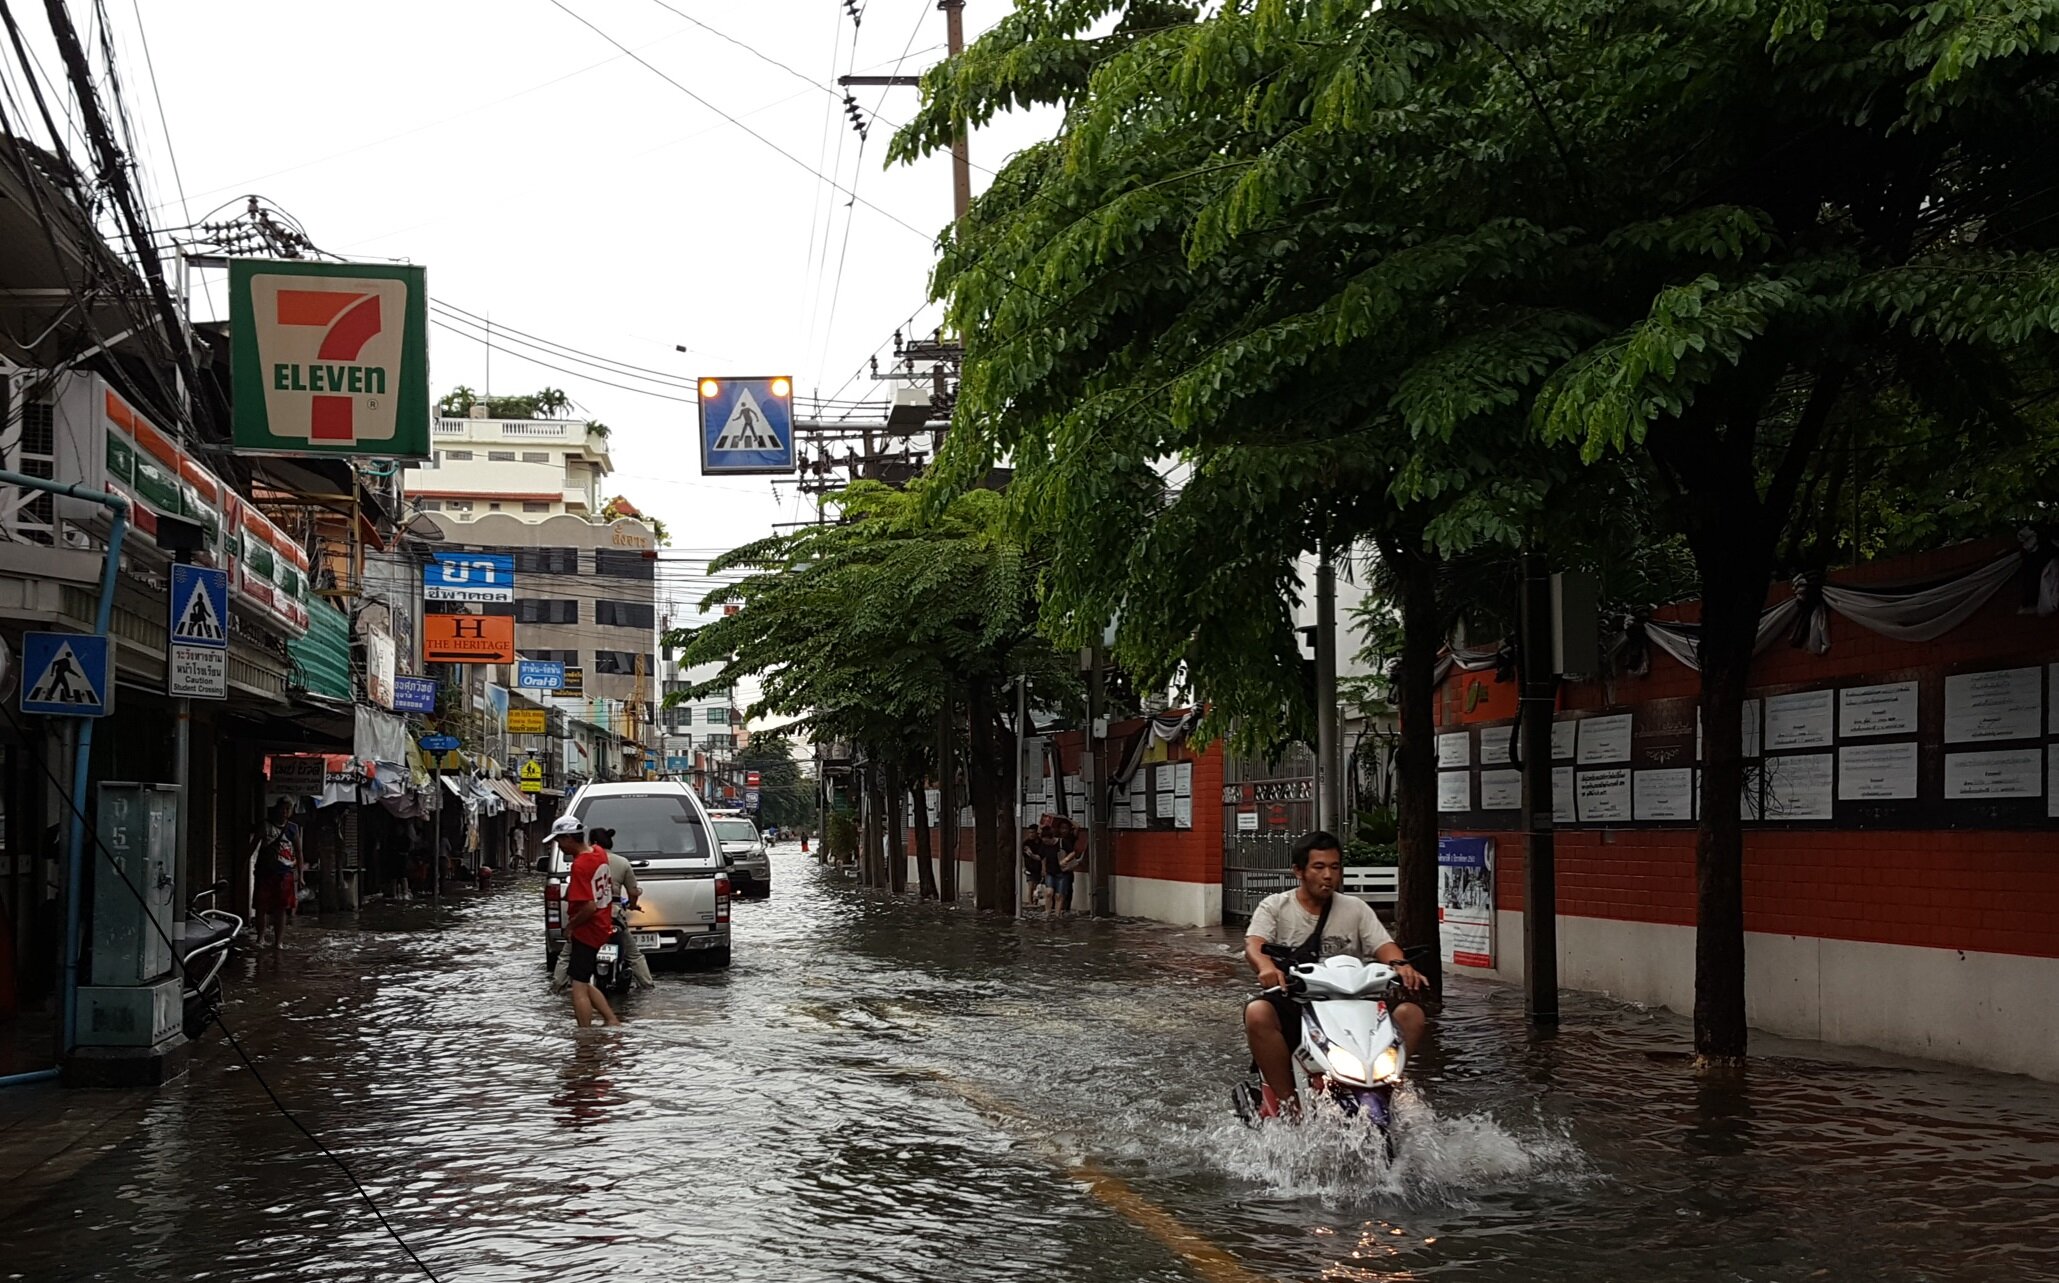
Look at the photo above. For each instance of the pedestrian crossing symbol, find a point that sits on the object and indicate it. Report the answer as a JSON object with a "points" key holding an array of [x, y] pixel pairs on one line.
{"points": [[200, 607], [65, 674], [747, 425]]}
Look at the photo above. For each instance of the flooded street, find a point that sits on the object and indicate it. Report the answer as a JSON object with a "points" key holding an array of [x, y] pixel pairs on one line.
{"points": [[883, 1090]]}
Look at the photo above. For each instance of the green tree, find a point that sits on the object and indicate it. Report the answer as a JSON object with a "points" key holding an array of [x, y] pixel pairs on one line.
{"points": [[1391, 268], [787, 800]]}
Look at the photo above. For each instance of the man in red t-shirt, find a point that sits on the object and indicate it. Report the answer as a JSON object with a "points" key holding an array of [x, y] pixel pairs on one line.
{"points": [[590, 902]]}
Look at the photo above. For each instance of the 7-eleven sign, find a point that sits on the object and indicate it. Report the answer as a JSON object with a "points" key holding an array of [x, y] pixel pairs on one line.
{"points": [[330, 358]]}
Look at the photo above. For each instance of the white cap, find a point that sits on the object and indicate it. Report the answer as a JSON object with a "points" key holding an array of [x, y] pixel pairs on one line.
{"points": [[567, 826]]}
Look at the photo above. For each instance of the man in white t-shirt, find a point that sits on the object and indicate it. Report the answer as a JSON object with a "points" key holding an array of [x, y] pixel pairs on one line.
{"points": [[1272, 1023]]}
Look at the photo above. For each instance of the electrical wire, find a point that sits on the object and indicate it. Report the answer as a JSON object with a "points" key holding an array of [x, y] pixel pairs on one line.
{"points": [[783, 152], [59, 789], [164, 123], [577, 374]]}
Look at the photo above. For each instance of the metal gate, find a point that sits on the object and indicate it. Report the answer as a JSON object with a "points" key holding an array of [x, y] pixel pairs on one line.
{"points": [[1267, 807]]}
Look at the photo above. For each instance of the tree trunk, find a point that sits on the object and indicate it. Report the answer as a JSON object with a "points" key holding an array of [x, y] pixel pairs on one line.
{"points": [[1733, 595], [869, 863], [1422, 632], [897, 852], [947, 801], [1002, 764], [925, 872], [979, 773]]}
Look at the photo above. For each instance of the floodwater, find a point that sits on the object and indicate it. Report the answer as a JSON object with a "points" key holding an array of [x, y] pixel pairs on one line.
{"points": [[884, 1090]]}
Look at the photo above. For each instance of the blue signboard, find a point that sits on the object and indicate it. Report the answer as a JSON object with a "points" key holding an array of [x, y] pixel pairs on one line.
{"points": [[678, 763], [439, 743], [539, 674], [200, 607], [750, 799], [747, 425], [66, 674], [414, 694], [469, 576]]}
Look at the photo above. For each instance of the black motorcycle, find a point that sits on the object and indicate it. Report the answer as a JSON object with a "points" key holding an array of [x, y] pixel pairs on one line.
{"points": [[206, 941]]}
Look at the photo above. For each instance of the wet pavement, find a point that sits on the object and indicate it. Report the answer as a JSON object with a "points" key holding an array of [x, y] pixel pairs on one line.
{"points": [[884, 1090]]}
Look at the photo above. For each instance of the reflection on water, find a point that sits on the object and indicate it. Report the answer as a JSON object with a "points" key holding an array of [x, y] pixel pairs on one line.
{"points": [[882, 1090]]}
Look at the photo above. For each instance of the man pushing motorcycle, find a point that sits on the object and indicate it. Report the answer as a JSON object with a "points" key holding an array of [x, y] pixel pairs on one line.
{"points": [[1307, 924]]}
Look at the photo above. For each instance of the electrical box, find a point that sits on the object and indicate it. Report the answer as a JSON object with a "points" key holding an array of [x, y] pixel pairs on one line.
{"points": [[130, 1015], [138, 824], [1575, 624]]}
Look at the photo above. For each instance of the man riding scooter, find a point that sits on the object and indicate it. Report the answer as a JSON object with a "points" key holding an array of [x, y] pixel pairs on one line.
{"points": [[1311, 922]]}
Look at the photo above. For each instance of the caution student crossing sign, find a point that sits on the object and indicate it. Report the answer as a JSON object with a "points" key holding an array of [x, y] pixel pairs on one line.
{"points": [[197, 656]]}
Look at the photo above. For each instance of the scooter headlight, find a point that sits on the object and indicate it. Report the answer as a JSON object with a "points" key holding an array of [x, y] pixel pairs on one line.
{"points": [[1386, 1065], [1346, 1064]]}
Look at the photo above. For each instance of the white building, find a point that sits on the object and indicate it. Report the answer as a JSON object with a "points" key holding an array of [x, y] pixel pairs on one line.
{"points": [[530, 469]]}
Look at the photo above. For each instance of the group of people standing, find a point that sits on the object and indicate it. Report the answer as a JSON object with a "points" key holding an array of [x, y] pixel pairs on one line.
{"points": [[1052, 853]]}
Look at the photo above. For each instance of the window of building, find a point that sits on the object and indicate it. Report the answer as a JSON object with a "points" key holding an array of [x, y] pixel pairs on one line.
{"points": [[681, 716], [625, 614], [431, 505], [500, 456], [570, 658], [621, 663], [534, 505], [460, 505], [718, 715], [546, 610], [458, 456], [536, 456], [546, 561], [620, 563], [493, 507]]}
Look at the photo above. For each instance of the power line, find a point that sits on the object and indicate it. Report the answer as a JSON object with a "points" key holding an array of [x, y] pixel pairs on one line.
{"points": [[789, 156], [577, 374]]}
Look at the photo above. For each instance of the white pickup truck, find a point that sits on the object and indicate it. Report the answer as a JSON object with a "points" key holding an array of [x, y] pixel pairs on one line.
{"points": [[662, 830]]}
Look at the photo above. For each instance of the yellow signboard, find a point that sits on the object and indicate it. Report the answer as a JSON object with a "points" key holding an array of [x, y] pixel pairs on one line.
{"points": [[526, 721], [532, 777]]}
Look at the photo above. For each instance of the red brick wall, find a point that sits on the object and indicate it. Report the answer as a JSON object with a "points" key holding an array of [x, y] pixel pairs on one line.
{"points": [[1177, 855], [1988, 890]]}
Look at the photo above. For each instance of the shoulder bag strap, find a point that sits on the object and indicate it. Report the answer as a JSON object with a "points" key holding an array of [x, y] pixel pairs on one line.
{"points": [[1310, 950]]}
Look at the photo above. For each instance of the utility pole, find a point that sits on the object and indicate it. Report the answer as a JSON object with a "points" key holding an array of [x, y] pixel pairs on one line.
{"points": [[1100, 840], [1328, 786], [1540, 873], [961, 153]]}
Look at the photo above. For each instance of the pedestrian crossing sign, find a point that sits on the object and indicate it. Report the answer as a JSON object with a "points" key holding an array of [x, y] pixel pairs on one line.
{"points": [[200, 607], [66, 674], [747, 425]]}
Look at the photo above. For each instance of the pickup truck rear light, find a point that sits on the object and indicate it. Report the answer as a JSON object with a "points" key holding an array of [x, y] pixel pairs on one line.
{"points": [[721, 898], [551, 910]]}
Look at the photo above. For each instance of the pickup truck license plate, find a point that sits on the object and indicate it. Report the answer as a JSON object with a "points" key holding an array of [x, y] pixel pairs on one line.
{"points": [[648, 940]]}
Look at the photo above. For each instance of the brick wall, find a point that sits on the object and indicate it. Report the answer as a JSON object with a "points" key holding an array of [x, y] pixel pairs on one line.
{"points": [[1176, 855], [1987, 890]]}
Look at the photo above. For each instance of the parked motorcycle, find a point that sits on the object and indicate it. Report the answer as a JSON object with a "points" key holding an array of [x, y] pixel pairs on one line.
{"points": [[206, 941], [1350, 1049]]}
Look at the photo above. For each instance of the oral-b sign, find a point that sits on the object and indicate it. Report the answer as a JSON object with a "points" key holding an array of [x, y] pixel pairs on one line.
{"points": [[469, 576]]}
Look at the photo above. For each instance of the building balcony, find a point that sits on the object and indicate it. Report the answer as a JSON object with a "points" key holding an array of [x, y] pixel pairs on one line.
{"points": [[524, 432]]}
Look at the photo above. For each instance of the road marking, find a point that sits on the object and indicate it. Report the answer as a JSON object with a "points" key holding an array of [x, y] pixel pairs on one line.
{"points": [[1204, 1257]]}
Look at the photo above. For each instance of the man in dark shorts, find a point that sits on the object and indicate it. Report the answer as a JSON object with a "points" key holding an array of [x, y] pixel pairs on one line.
{"points": [[1032, 867], [1069, 853], [1272, 1023], [590, 902]]}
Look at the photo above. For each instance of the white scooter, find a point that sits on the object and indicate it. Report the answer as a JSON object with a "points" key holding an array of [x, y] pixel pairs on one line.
{"points": [[1350, 1048]]}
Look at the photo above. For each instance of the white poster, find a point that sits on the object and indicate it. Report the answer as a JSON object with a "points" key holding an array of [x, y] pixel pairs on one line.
{"points": [[1465, 900], [1802, 719], [1455, 748], [1663, 795], [1605, 796], [1247, 821], [1139, 801], [2006, 704], [1164, 783], [1564, 797], [1605, 739], [1454, 790], [1494, 745], [1876, 772], [1501, 790], [1801, 786], [1183, 780], [934, 800], [1183, 812], [1563, 733], [2053, 686], [1876, 710], [2008, 773], [1076, 798]]}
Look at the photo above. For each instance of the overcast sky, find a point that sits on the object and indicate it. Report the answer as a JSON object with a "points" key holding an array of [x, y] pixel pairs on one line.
{"points": [[549, 181]]}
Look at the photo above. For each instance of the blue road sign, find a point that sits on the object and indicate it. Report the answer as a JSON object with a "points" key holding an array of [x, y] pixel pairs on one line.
{"points": [[469, 576], [539, 674], [66, 674], [750, 799], [439, 743], [200, 607], [747, 425], [414, 694], [678, 763]]}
